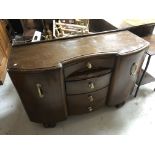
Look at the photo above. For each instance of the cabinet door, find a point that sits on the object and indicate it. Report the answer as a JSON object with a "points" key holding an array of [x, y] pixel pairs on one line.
{"points": [[42, 94], [5, 48], [124, 77]]}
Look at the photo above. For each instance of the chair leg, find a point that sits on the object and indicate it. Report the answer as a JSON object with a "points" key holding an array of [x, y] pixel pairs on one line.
{"points": [[147, 64]]}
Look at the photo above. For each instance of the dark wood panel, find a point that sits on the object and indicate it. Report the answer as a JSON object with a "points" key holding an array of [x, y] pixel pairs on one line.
{"points": [[42, 94], [100, 25], [123, 82]]}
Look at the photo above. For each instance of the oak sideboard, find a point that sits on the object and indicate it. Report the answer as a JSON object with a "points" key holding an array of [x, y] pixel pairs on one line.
{"points": [[72, 76]]}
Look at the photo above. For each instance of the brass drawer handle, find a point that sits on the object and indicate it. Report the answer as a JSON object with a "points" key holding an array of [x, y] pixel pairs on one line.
{"points": [[90, 109], [89, 65], [91, 85], [40, 91], [90, 98]]}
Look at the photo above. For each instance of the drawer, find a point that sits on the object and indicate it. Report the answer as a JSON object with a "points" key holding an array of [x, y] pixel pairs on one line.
{"points": [[88, 64], [88, 85], [84, 103]]}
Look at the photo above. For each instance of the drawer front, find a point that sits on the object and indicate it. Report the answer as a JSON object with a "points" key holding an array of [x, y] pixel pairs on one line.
{"points": [[88, 64], [84, 103], [88, 85]]}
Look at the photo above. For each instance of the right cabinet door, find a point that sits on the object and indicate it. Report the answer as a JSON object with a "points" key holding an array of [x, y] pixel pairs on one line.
{"points": [[42, 94], [124, 77]]}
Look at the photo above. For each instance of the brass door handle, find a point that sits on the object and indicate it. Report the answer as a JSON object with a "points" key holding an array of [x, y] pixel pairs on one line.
{"points": [[39, 90], [91, 85], [133, 69]]}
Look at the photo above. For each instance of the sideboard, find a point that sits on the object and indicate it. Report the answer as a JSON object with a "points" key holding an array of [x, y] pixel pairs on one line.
{"points": [[78, 75]]}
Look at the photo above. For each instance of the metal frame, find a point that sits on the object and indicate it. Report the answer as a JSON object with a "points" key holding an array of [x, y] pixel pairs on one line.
{"points": [[145, 69]]}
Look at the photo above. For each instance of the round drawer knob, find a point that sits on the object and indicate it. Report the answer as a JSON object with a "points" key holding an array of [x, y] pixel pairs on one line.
{"points": [[90, 98], [91, 85], [90, 109], [89, 65]]}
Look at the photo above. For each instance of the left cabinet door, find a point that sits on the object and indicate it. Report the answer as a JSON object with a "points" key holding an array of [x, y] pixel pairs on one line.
{"points": [[5, 48], [42, 94]]}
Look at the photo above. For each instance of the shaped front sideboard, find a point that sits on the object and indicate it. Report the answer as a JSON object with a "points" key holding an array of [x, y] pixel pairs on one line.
{"points": [[75, 76]]}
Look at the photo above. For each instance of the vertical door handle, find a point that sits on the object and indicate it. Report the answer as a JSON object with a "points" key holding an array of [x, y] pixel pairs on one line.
{"points": [[39, 90]]}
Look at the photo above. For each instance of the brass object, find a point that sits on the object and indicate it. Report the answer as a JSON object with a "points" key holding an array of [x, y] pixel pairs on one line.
{"points": [[89, 65], [90, 109], [133, 69], [90, 98], [91, 85], [39, 89], [14, 64]]}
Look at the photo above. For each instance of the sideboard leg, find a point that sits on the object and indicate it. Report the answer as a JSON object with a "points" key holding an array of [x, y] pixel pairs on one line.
{"points": [[120, 104], [49, 125]]}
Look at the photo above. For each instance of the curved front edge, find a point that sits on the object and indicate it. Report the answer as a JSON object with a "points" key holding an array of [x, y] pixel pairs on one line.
{"points": [[124, 77], [42, 94]]}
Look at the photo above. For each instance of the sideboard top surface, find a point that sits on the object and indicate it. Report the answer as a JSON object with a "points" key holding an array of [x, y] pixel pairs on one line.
{"points": [[50, 54]]}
